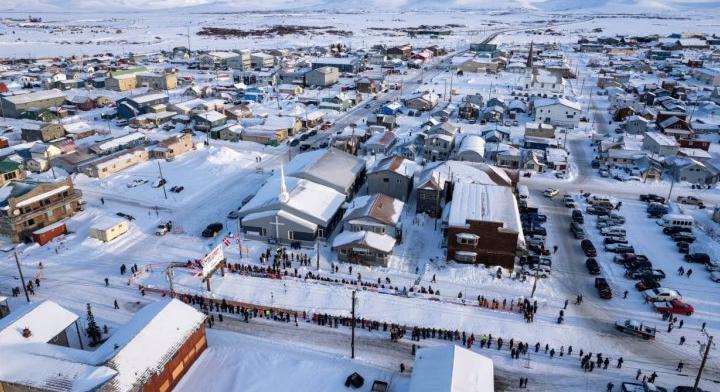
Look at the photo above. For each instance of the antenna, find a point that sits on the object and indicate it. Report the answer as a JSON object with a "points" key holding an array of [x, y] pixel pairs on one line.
{"points": [[284, 196]]}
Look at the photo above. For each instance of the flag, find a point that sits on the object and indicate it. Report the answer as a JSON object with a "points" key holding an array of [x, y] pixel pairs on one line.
{"points": [[226, 241]]}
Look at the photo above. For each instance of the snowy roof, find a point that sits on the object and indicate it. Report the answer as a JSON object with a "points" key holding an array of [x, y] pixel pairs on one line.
{"points": [[41, 196], [435, 175], [381, 242], [451, 368], [77, 127], [34, 96], [480, 202], [211, 116], [557, 101], [331, 167], [119, 141], [385, 138], [149, 97], [107, 222], [308, 200], [45, 320], [396, 164], [472, 143], [662, 139], [51, 374], [379, 206], [163, 326]]}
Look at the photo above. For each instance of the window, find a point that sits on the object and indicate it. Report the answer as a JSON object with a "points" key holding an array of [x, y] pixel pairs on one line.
{"points": [[49, 213], [290, 235], [386, 180], [467, 239], [30, 222]]}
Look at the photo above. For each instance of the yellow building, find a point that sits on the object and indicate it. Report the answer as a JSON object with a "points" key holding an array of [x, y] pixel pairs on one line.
{"points": [[109, 228]]}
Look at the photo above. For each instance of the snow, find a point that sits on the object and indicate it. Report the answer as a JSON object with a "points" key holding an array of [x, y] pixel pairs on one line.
{"points": [[480, 202], [451, 368], [41, 196], [381, 242], [238, 362], [45, 319], [34, 96]]}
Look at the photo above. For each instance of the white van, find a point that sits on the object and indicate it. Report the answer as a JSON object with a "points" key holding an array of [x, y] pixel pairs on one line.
{"points": [[602, 201], [676, 220]]}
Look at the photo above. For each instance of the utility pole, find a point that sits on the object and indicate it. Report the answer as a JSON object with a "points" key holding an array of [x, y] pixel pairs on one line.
{"points": [[317, 253], [239, 240], [169, 273], [702, 364], [672, 184], [27, 297], [534, 284], [162, 180], [352, 329]]}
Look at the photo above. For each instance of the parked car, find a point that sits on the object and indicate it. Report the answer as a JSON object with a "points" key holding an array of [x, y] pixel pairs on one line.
{"points": [[684, 237], [158, 183], [619, 248], [674, 307], [670, 230], [588, 247], [577, 216], [683, 247], [212, 230], [715, 276], [551, 192], [592, 266], [712, 266], [613, 231], [615, 240], [569, 203], [603, 288], [637, 387], [126, 216], [661, 294], [690, 200], [137, 182], [647, 283], [634, 327], [595, 210], [652, 198], [656, 210], [642, 273], [701, 258], [163, 228]]}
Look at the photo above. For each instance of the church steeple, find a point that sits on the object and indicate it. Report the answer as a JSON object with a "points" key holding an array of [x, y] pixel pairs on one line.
{"points": [[529, 63], [284, 196]]}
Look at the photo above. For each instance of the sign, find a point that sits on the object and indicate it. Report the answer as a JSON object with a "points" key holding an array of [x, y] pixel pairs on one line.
{"points": [[211, 261]]}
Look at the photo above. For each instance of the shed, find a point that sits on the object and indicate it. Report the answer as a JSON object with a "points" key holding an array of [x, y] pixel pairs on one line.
{"points": [[107, 229], [44, 235], [451, 368]]}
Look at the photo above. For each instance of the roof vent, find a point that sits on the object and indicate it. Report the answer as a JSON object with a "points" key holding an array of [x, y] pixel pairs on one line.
{"points": [[26, 332]]}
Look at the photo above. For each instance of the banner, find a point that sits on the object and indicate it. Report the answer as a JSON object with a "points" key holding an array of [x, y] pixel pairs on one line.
{"points": [[211, 261]]}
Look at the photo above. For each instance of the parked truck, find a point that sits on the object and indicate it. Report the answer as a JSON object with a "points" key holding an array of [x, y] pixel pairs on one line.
{"points": [[634, 327]]}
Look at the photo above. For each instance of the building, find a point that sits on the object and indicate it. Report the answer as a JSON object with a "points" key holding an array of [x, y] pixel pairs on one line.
{"points": [[693, 171], [108, 228], [392, 176], [322, 77], [29, 206], [107, 165], [332, 168], [207, 120], [151, 352], [402, 52], [15, 105], [539, 130], [635, 125], [483, 225], [363, 247], [351, 65], [212, 60], [242, 61], [380, 142], [172, 147], [434, 183], [157, 81], [42, 132], [422, 102], [451, 368], [660, 144], [10, 171], [291, 210], [471, 149], [545, 85], [261, 60], [115, 144], [122, 82], [559, 111], [133, 106]]}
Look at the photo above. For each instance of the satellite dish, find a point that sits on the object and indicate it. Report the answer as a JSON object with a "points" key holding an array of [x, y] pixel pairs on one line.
{"points": [[16, 212]]}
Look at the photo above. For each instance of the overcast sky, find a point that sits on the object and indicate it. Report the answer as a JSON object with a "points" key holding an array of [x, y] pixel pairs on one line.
{"points": [[134, 5]]}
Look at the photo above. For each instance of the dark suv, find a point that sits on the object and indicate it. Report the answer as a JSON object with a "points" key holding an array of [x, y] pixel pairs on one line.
{"points": [[701, 258], [588, 247]]}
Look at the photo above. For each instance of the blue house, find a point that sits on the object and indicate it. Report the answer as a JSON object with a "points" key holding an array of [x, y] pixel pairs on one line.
{"points": [[134, 106], [254, 94], [391, 108]]}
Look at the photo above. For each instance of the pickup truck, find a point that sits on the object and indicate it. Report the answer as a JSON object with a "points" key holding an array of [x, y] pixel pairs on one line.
{"points": [[691, 200], [634, 327]]}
